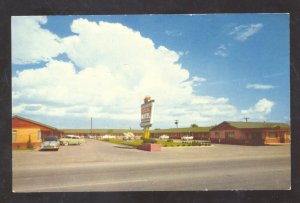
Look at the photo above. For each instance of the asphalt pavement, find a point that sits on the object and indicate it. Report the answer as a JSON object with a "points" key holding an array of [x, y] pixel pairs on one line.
{"points": [[101, 166]]}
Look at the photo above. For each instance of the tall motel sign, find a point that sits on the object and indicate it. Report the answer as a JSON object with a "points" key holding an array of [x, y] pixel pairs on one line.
{"points": [[147, 115]]}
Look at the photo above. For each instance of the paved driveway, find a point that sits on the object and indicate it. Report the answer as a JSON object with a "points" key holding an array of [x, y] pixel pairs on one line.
{"points": [[101, 166], [97, 151]]}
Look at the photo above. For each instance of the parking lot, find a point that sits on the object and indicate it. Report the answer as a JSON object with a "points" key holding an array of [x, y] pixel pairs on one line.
{"points": [[102, 166]]}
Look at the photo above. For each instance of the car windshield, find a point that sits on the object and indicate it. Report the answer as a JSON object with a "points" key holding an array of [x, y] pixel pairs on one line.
{"points": [[51, 138]]}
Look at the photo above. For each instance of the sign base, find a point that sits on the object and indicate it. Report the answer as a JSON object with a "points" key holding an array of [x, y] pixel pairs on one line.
{"points": [[150, 147]]}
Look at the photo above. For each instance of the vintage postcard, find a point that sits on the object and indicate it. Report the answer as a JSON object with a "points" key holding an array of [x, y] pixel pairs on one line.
{"points": [[182, 102]]}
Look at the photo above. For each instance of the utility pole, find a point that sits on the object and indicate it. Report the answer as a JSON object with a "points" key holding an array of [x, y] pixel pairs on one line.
{"points": [[246, 119], [176, 123], [91, 126]]}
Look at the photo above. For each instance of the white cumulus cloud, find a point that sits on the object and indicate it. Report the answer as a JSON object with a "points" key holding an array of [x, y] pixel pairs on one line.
{"points": [[260, 110], [243, 32], [30, 42], [259, 86], [111, 68]]}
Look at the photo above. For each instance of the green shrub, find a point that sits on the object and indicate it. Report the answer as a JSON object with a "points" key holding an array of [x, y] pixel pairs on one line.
{"points": [[29, 144], [194, 143], [170, 140]]}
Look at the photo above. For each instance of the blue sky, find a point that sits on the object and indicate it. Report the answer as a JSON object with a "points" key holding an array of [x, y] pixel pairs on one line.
{"points": [[201, 69]]}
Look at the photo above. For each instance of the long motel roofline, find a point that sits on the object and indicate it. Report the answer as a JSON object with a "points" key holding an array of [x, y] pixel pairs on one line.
{"points": [[108, 131], [234, 124]]}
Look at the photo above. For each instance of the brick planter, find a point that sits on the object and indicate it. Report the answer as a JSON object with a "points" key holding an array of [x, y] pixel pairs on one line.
{"points": [[150, 147]]}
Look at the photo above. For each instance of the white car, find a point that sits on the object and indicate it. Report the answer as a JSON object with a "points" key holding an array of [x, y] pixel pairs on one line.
{"points": [[90, 136], [108, 137], [71, 140], [186, 138], [128, 136], [164, 137]]}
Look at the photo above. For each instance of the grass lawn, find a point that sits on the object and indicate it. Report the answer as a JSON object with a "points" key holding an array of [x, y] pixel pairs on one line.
{"points": [[183, 144], [169, 144]]}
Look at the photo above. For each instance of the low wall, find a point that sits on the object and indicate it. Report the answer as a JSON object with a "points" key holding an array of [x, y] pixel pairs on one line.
{"points": [[150, 147]]}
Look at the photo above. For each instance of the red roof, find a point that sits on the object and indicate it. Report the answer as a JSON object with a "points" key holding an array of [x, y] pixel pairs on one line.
{"points": [[17, 122]]}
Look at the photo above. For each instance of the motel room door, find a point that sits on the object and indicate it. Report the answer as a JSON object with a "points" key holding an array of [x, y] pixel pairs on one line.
{"points": [[282, 138], [257, 138]]}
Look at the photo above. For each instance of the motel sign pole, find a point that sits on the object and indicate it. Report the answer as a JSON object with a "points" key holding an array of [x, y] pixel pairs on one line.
{"points": [[146, 116], [146, 123]]}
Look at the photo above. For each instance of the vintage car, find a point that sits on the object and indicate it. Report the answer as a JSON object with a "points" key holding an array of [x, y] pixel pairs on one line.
{"points": [[71, 140], [128, 136], [187, 138], [164, 137], [108, 137], [50, 143], [91, 136]]}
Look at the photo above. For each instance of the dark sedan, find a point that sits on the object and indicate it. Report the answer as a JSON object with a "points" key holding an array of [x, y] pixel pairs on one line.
{"points": [[50, 143]]}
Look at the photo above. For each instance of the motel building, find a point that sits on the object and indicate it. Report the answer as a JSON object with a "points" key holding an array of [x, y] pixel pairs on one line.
{"points": [[227, 132], [25, 130], [250, 133]]}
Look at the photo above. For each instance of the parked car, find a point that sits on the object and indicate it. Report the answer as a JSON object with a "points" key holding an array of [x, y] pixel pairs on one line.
{"points": [[186, 138], [50, 143], [108, 137], [164, 137], [128, 136], [71, 140], [91, 136]]}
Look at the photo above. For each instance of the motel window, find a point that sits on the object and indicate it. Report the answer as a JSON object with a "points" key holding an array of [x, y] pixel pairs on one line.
{"points": [[229, 134], [39, 135], [14, 136], [256, 135], [272, 135]]}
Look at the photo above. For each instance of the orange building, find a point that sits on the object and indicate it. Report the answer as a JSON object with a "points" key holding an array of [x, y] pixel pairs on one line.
{"points": [[27, 132], [250, 133]]}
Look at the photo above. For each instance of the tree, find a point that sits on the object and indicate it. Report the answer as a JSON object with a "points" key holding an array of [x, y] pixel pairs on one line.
{"points": [[29, 143], [194, 125]]}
